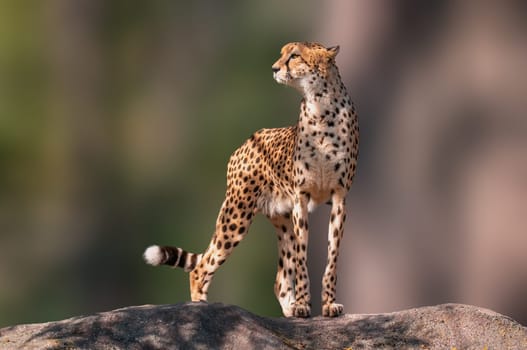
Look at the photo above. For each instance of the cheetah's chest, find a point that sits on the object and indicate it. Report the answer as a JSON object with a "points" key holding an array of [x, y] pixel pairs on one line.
{"points": [[320, 170]]}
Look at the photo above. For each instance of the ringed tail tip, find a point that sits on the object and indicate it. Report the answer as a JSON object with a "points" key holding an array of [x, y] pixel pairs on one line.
{"points": [[154, 256]]}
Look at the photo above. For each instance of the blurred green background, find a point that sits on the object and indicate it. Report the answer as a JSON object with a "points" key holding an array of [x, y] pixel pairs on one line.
{"points": [[117, 119]]}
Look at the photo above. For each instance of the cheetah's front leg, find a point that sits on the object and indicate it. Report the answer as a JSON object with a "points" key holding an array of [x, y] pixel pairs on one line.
{"points": [[329, 281], [302, 306]]}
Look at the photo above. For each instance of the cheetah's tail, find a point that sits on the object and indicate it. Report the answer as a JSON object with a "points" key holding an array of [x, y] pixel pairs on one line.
{"points": [[172, 256]]}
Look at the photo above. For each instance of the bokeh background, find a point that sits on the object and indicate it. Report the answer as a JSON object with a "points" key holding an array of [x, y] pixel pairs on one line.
{"points": [[117, 119]]}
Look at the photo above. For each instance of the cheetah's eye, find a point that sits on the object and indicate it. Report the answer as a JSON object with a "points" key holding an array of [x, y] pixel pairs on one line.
{"points": [[291, 56]]}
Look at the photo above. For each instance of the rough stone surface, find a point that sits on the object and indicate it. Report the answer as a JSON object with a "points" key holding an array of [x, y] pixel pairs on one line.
{"points": [[218, 326]]}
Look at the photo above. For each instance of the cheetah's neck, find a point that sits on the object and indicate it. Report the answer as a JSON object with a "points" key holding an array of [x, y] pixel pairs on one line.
{"points": [[325, 103]]}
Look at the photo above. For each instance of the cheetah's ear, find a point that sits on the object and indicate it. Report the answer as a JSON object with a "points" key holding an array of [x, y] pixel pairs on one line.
{"points": [[333, 51]]}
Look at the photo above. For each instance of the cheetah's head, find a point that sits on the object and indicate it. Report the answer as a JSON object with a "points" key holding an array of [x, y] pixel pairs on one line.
{"points": [[303, 64]]}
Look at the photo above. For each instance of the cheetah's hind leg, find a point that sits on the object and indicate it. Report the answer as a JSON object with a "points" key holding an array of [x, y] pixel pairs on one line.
{"points": [[232, 225], [284, 287]]}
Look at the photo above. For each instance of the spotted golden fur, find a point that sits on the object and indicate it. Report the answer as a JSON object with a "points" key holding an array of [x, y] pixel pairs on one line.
{"points": [[284, 174]]}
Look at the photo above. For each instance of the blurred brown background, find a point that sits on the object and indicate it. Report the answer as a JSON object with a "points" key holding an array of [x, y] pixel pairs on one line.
{"points": [[117, 119]]}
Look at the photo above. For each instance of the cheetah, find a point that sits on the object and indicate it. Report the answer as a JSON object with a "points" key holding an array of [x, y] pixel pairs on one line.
{"points": [[284, 173]]}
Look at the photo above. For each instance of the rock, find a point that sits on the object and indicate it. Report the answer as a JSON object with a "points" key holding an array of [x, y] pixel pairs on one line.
{"points": [[218, 326]]}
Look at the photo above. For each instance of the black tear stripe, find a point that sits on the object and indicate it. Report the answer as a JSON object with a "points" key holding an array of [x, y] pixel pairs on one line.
{"points": [[289, 59]]}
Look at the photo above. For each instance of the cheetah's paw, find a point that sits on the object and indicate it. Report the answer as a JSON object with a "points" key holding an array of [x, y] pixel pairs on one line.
{"points": [[301, 310], [332, 310]]}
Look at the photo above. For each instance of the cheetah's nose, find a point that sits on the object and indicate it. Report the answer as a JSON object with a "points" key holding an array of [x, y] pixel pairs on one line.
{"points": [[275, 69]]}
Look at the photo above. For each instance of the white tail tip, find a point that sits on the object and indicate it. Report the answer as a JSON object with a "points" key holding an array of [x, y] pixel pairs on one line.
{"points": [[153, 255]]}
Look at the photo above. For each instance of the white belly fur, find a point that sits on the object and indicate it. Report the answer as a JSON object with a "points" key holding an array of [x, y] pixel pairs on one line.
{"points": [[272, 206], [319, 182]]}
